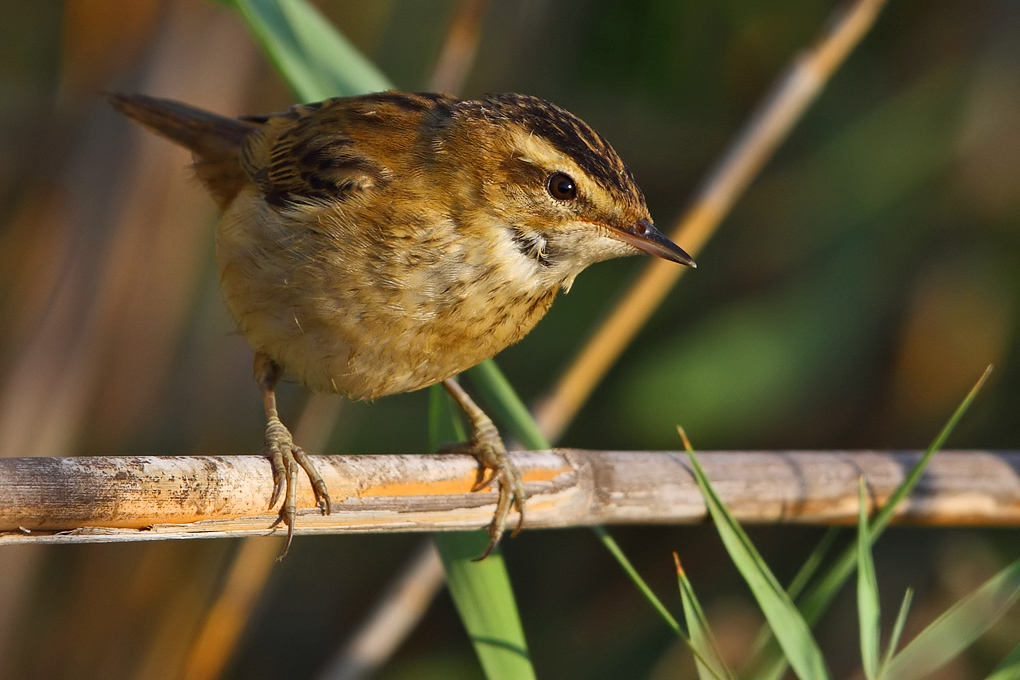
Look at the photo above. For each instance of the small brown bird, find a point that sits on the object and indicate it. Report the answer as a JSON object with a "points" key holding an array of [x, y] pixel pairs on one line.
{"points": [[379, 244]]}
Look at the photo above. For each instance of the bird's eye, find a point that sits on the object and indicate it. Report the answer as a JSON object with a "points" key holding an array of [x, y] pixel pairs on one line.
{"points": [[562, 187]]}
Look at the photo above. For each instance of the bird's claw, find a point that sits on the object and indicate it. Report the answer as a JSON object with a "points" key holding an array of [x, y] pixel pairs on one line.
{"points": [[511, 494], [494, 465], [287, 459]]}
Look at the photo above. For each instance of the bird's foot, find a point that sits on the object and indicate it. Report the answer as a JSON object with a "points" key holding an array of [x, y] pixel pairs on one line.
{"points": [[286, 458], [494, 465]]}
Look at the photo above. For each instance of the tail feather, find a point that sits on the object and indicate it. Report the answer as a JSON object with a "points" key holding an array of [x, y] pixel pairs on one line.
{"points": [[214, 140]]}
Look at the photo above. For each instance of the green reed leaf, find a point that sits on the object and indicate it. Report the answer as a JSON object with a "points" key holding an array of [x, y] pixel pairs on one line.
{"points": [[315, 59], [818, 598], [481, 591], [1009, 669], [958, 627], [897, 631], [868, 611], [787, 623], [707, 657], [318, 62]]}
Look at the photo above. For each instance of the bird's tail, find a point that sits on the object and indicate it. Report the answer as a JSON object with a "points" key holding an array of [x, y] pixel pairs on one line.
{"points": [[214, 140]]}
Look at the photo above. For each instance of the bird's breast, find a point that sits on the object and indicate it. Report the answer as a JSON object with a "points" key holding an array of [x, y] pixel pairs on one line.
{"points": [[368, 310]]}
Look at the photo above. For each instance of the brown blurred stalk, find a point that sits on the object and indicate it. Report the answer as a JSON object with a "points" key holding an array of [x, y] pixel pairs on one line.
{"points": [[378, 635], [111, 265], [748, 153], [228, 614], [223, 622], [408, 596], [458, 51], [392, 618], [767, 128], [140, 498]]}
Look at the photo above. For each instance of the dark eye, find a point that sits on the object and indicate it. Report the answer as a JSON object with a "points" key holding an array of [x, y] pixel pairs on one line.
{"points": [[562, 187]]}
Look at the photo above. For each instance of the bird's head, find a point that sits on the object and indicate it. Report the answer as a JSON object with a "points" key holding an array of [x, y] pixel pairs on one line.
{"points": [[563, 195]]}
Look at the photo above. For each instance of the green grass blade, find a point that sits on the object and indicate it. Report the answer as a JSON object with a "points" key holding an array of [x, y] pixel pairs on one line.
{"points": [[485, 601], [709, 661], [316, 60], [764, 645], [481, 591], [868, 612], [512, 413], [614, 549], [507, 407], [813, 562], [818, 598], [897, 631], [1009, 669], [791, 630], [958, 627]]}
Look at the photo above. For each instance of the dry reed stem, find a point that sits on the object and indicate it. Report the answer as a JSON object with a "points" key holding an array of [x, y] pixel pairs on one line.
{"points": [[225, 620], [102, 327], [458, 52], [721, 190], [246, 578], [407, 597], [252, 565], [138, 498], [392, 619], [769, 125]]}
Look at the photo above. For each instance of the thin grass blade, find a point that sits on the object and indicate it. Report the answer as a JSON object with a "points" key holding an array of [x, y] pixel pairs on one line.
{"points": [[614, 549], [813, 562], [868, 612], [481, 591], [958, 627], [709, 661], [818, 598], [789, 626], [897, 631]]}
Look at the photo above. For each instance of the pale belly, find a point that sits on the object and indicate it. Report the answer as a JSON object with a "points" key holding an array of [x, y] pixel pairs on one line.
{"points": [[353, 317]]}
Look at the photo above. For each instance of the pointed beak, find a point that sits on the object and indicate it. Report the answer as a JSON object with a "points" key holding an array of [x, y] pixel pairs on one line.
{"points": [[644, 236]]}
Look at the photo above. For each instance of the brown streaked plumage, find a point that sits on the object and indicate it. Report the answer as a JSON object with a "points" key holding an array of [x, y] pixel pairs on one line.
{"points": [[379, 244]]}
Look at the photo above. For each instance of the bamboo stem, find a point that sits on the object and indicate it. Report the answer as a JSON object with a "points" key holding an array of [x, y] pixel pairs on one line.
{"points": [[73, 500], [750, 150]]}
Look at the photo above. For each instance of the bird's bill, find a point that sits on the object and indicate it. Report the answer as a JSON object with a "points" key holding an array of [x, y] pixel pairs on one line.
{"points": [[644, 236]]}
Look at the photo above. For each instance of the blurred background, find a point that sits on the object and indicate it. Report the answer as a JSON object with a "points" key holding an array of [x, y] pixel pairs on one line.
{"points": [[854, 295]]}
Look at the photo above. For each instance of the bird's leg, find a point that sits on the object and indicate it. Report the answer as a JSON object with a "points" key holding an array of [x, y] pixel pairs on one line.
{"points": [[283, 454], [487, 447]]}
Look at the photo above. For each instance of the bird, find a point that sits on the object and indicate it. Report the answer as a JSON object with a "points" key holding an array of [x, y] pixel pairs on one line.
{"points": [[382, 243]]}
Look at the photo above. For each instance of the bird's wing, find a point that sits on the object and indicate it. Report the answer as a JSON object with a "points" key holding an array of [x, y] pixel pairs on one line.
{"points": [[308, 154]]}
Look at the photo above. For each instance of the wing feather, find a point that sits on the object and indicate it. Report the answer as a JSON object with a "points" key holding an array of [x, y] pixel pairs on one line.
{"points": [[309, 154]]}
